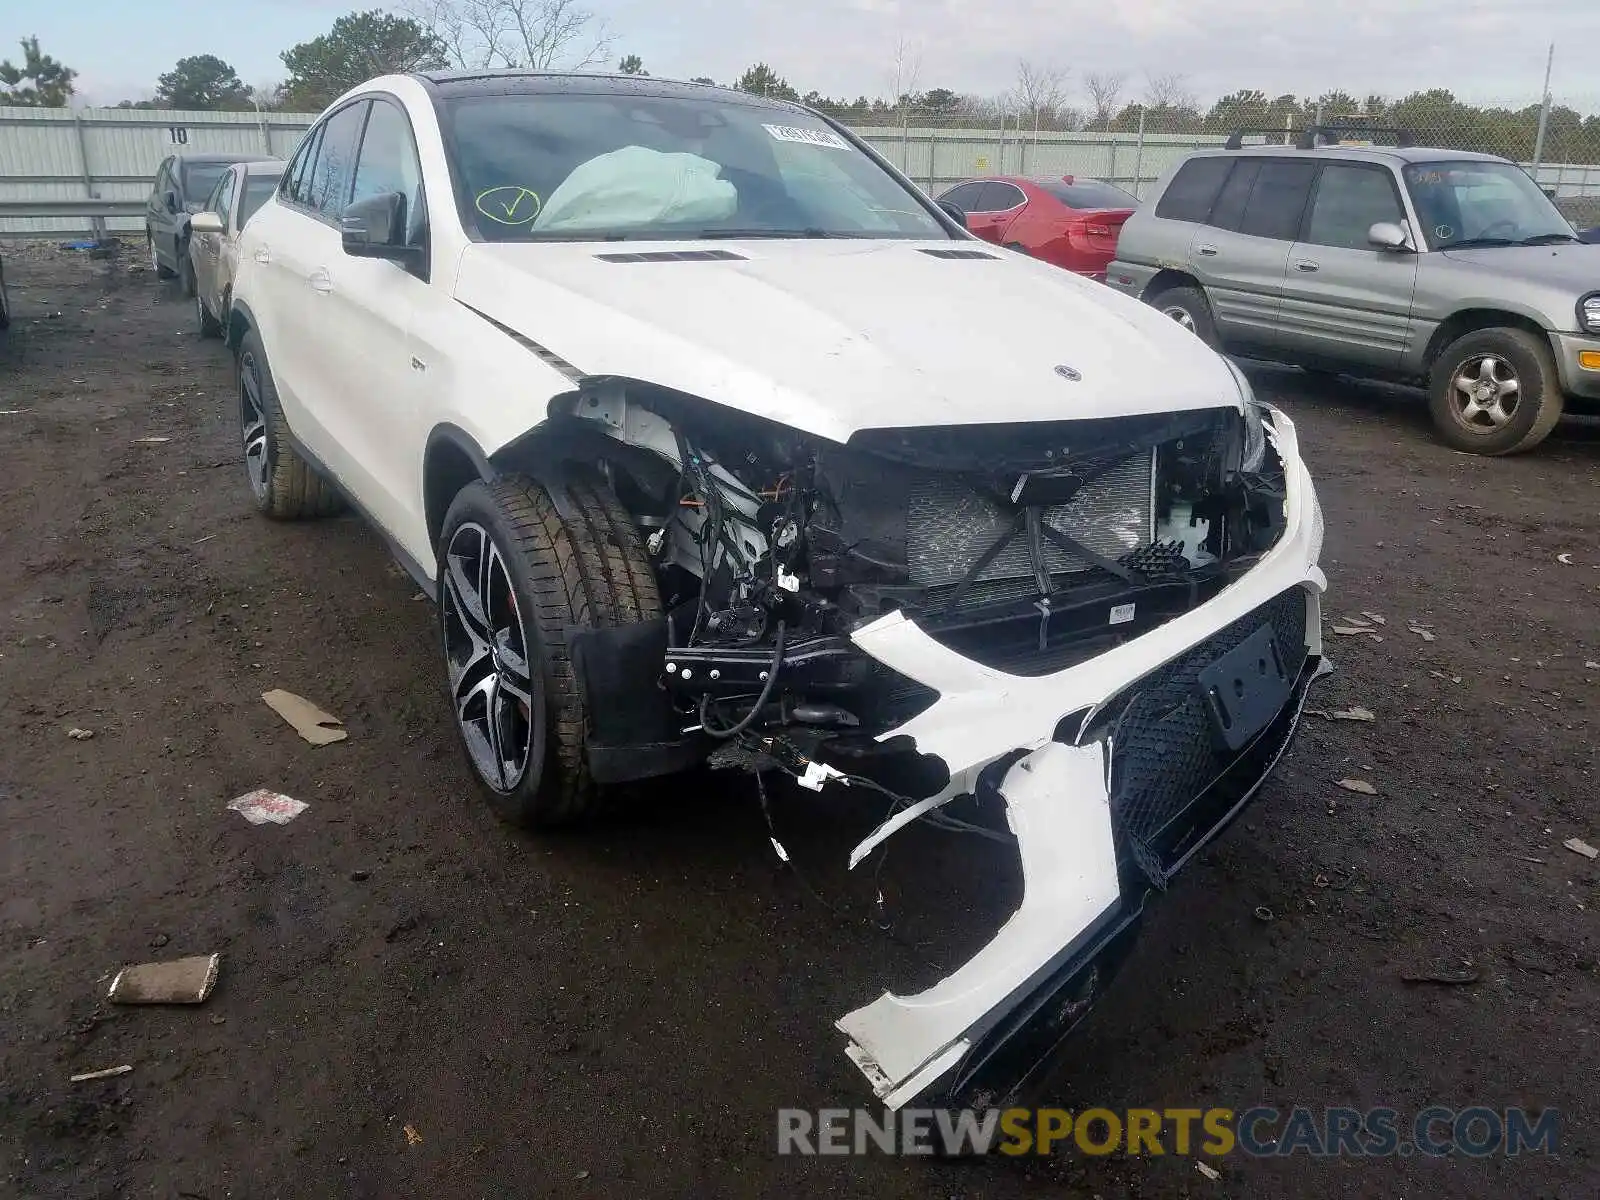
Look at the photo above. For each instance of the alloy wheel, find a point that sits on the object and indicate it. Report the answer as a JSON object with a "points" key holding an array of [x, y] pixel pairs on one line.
{"points": [[498, 703], [1484, 392], [1181, 315], [254, 423]]}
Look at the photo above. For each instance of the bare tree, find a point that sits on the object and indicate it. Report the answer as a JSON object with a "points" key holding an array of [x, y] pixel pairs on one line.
{"points": [[533, 34], [1105, 90], [1040, 93], [905, 70], [1170, 90]]}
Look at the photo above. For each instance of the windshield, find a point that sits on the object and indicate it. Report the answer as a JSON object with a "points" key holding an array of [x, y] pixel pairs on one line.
{"points": [[605, 166], [200, 178], [256, 190], [1089, 193], [1482, 203]]}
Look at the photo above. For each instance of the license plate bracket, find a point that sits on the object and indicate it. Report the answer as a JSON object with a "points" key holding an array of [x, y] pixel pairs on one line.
{"points": [[1245, 689]]}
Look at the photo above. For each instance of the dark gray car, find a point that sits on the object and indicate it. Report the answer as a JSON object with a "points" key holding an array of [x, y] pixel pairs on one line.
{"points": [[1440, 267], [182, 184]]}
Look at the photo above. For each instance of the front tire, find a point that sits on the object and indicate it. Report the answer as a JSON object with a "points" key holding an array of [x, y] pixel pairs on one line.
{"points": [[161, 269], [284, 486], [516, 583], [187, 281], [1495, 391], [210, 327], [1189, 307]]}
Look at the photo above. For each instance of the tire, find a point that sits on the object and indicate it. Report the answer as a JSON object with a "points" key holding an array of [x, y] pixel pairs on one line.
{"points": [[1189, 307], [5, 300], [210, 327], [284, 486], [1495, 391], [188, 283], [161, 269], [549, 579]]}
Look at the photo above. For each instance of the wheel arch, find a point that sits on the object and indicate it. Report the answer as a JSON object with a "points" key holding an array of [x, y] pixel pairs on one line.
{"points": [[239, 321], [1470, 320], [1167, 279], [451, 459]]}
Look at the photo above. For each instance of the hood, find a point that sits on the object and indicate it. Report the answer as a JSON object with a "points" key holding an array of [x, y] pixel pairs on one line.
{"points": [[833, 336], [1575, 268]]}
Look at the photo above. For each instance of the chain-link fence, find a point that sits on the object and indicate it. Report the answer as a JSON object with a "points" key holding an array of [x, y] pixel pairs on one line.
{"points": [[1132, 146]]}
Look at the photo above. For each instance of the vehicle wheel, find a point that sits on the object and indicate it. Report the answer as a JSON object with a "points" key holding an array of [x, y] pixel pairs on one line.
{"points": [[516, 582], [1188, 307], [284, 486], [156, 265], [5, 300], [210, 327], [1495, 391], [190, 287]]}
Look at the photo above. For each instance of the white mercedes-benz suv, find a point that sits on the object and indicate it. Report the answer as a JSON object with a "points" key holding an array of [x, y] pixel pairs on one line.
{"points": [[714, 438]]}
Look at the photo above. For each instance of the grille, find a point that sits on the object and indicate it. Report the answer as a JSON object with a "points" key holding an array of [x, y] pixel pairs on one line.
{"points": [[1164, 756], [950, 525]]}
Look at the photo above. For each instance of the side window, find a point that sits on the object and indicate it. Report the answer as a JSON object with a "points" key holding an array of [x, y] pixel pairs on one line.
{"points": [[1350, 201], [1278, 199], [1000, 197], [297, 177], [163, 178], [388, 163], [334, 170], [221, 201], [1228, 211], [1190, 194], [964, 196]]}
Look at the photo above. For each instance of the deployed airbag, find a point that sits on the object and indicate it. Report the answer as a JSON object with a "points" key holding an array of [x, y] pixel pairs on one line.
{"points": [[637, 186]]}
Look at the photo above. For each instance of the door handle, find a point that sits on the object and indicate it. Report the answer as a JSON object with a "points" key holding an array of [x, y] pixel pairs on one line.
{"points": [[263, 255], [1306, 265], [1208, 250], [321, 281]]}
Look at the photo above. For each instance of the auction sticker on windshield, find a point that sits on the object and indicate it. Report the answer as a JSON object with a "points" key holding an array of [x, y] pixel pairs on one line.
{"points": [[808, 137]]}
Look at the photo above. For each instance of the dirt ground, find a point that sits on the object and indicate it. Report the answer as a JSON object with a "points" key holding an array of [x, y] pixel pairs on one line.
{"points": [[622, 1011]]}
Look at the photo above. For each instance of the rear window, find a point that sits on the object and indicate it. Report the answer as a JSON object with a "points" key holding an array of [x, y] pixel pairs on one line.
{"points": [[1089, 193], [200, 178], [256, 190], [1190, 194]]}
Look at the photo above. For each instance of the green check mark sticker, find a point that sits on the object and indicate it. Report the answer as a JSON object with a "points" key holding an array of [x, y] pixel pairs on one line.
{"points": [[509, 204]]}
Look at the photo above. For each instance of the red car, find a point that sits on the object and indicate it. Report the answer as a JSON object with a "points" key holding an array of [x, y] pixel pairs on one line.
{"points": [[1068, 221]]}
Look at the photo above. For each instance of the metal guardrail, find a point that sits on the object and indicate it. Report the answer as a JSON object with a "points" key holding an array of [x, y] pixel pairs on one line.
{"points": [[72, 208]]}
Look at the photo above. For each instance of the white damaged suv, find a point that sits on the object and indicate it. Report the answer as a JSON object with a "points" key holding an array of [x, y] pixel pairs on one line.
{"points": [[712, 435]]}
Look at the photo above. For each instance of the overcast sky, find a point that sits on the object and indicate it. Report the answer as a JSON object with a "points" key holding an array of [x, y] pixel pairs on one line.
{"points": [[1481, 49]]}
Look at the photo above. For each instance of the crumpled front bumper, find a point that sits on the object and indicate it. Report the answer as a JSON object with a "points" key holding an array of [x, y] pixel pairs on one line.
{"points": [[1022, 991]]}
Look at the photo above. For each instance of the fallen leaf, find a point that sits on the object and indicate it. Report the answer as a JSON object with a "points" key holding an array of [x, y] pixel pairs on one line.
{"points": [[1358, 785], [1579, 846], [413, 1138], [309, 721]]}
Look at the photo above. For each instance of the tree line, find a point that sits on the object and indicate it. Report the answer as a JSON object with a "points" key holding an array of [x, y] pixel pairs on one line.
{"points": [[545, 34]]}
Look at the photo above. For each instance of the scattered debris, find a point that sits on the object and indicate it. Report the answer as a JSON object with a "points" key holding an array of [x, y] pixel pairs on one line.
{"points": [[1354, 714], [1358, 785], [1592, 666], [262, 805], [1263, 913], [181, 981], [1564, 559], [1525, 960], [106, 1074], [1528, 858], [150, 441], [207, 538], [1424, 634], [1579, 846], [309, 721], [582, 1175], [1467, 974], [1442, 675], [159, 941], [14, 412], [80, 735], [1351, 630], [360, 876], [1208, 1171], [1374, 618], [413, 1138]]}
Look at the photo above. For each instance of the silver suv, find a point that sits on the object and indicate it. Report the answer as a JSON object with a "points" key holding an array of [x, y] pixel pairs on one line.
{"points": [[1434, 266]]}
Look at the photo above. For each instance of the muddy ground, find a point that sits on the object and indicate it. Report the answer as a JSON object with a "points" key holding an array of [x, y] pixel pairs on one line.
{"points": [[622, 1011]]}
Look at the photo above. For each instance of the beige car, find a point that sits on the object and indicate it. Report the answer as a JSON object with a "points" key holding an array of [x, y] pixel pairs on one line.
{"points": [[214, 236]]}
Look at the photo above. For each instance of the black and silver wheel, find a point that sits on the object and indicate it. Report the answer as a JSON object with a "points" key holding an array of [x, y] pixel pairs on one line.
{"points": [[1495, 391], [186, 279], [517, 582], [1189, 308], [283, 485], [210, 327], [161, 269]]}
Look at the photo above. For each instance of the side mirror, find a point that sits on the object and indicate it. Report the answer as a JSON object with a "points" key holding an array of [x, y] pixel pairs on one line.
{"points": [[205, 222], [1386, 235], [172, 201], [375, 227], [958, 215]]}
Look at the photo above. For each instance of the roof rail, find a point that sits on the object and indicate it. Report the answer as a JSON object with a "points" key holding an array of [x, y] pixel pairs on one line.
{"points": [[1306, 139]]}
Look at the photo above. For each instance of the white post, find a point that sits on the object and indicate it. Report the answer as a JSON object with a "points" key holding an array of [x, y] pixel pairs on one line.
{"points": [[1138, 160], [1544, 110]]}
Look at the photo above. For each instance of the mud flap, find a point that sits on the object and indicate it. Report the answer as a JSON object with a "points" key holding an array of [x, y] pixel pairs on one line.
{"points": [[1058, 806]]}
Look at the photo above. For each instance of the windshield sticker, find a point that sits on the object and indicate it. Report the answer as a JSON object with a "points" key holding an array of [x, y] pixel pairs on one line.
{"points": [[808, 137], [1443, 232], [509, 204]]}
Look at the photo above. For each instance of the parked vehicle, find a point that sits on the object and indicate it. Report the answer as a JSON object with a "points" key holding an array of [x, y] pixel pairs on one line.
{"points": [[710, 433], [1068, 221], [182, 183], [214, 236], [5, 299], [1439, 267]]}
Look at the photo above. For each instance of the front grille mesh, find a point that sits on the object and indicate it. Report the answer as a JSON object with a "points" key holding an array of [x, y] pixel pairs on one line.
{"points": [[1163, 757], [950, 525]]}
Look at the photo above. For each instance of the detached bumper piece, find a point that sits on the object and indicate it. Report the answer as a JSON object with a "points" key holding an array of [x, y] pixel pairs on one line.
{"points": [[1162, 768]]}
